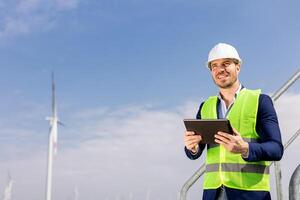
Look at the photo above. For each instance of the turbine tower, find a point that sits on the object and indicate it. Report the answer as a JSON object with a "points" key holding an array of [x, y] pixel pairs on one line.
{"points": [[52, 149], [8, 188], [76, 193]]}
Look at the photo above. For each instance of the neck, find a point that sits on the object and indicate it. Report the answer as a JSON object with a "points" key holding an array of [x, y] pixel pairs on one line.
{"points": [[228, 94]]}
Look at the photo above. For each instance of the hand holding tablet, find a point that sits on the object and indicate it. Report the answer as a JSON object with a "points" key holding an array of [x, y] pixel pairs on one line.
{"points": [[208, 128]]}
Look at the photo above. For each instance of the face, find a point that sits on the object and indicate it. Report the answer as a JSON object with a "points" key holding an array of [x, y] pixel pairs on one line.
{"points": [[224, 72]]}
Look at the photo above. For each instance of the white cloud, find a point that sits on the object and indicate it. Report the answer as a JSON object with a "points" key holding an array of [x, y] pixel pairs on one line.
{"points": [[127, 151], [15, 26], [143, 149], [26, 16]]}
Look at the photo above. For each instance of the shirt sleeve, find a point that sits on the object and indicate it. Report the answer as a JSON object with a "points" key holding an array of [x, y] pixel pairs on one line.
{"points": [[190, 154], [269, 147]]}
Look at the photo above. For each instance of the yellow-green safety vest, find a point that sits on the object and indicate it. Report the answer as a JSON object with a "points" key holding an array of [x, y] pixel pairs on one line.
{"points": [[229, 169]]}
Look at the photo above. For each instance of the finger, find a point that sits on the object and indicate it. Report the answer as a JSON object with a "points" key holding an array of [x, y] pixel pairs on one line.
{"points": [[196, 138], [193, 140], [225, 145], [226, 135], [220, 141], [188, 136], [192, 137], [189, 133], [191, 144], [191, 147], [222, 138]]}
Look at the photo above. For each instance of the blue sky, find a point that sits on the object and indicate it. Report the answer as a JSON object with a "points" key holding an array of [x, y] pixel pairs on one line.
{"points": [[128, 60], [117, 52]]}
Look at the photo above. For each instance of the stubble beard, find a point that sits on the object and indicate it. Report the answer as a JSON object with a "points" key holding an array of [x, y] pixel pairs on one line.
{"points": [[226, 84]]}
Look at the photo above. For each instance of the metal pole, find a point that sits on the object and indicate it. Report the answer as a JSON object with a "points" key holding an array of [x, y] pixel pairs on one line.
{"points": [[277, 165], [292, 139], [294, 193], [191, 182], [50, 167], [8, 188], [290, 82], [278, 169], [278, 180], [52, 149], [295, 135]]}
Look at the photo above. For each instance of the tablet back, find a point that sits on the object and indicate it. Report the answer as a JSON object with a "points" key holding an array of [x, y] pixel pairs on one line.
{"points": [[208, 128]]}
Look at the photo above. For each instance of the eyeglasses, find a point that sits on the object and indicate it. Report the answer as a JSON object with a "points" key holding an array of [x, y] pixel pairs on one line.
{"points": [[224, 65]]}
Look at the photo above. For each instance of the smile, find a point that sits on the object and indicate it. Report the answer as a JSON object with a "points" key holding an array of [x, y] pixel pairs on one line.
{"points": [[222, 76]]}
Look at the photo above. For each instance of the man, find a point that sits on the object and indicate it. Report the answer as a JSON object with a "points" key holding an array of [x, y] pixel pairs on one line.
{"points": [[237, 166]]}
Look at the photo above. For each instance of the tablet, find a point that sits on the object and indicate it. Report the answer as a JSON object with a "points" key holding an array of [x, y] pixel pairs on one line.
{"points": [[208, 128]]}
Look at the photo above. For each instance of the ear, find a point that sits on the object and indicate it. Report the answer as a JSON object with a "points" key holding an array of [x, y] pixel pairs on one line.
{"points": [[238, 68]]}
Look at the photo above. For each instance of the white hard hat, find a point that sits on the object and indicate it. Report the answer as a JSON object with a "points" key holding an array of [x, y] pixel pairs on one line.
{"points": [[223, 50]]}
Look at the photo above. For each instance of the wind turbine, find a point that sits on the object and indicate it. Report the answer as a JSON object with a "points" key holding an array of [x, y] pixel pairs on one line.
{"points": [[130, 196], [52, 148], [8, 189], [148, 194], [76, 193]]}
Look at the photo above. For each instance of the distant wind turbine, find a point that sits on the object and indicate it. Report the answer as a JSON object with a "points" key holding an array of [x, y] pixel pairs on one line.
{"points": [[8, 189], [76, 193], [148, 194], [52, 149], [130, 196], [178, 196]]}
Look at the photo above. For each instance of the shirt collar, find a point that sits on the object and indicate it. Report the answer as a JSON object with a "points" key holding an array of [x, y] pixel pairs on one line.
{"points": [[236, 93]]}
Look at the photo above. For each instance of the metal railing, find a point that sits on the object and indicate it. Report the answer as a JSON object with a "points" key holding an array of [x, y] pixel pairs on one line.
{"points": [[294, 193], [278, 169], [190, 182]]}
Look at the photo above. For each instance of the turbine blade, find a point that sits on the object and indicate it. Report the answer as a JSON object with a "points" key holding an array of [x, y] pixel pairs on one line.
{"points": [[53, 97]]}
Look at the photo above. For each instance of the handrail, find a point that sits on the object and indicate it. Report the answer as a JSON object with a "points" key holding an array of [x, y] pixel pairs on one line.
{"points": [[294, 185], [188, 184], [286, 85], [191, 182], [278, 169], [275, 96]]}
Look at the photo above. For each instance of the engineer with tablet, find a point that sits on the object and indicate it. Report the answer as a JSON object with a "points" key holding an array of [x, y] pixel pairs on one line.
{"points": [[237, 165]]}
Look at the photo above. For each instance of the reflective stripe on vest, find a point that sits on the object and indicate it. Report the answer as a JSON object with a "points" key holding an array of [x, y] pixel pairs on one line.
{"points": [[233, 167], [231, 170]]}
